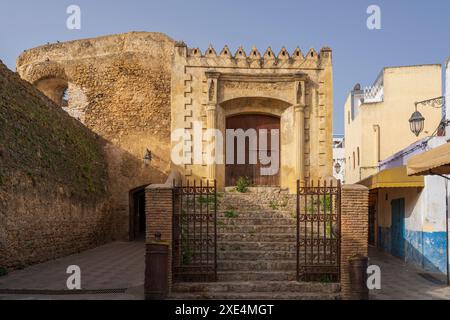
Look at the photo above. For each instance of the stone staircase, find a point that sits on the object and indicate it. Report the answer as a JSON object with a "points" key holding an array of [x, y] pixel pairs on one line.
{"points": [[257, 252]]}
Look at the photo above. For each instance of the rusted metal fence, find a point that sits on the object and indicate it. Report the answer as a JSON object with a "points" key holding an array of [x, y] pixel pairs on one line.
{"points": [[318, 231], [194, 255]]}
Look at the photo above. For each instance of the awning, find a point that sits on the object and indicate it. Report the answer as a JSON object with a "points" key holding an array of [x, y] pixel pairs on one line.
{"points": [[393, 178], [433, 162]]}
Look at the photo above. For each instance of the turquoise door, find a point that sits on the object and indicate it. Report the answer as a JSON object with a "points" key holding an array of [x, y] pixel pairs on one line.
{"points": [[398, 228]]}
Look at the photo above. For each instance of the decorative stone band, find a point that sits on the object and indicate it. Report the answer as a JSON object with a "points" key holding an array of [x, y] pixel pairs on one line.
{"points": [[254, 59]]}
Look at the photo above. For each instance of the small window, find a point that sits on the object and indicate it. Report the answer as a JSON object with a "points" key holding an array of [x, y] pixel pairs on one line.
{"points": [[65, 98], [358, 157], [354, 162], [348, 116]]}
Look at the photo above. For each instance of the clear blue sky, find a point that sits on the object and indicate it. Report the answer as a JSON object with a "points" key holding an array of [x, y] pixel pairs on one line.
{"points": [[413, 32]]}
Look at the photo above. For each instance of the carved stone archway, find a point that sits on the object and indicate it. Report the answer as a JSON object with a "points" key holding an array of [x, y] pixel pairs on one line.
{"points": [[282, 95]]}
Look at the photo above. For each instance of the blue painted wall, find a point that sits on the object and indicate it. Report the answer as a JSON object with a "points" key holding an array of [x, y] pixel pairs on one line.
{"points": [[423, 249]]}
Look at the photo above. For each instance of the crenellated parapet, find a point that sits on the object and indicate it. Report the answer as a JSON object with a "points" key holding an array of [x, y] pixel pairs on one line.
{"points": [[254, 58]]}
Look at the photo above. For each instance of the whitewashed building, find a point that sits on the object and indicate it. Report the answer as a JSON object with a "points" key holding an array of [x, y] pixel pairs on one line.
{"points": [[339, 157]]}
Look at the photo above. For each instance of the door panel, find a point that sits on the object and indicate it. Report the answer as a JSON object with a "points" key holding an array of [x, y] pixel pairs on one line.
{"points": [[398, 228], [253, 171]]}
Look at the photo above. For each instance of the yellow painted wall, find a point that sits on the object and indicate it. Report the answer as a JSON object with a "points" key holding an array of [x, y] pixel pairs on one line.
{"points": [[403, 86]]}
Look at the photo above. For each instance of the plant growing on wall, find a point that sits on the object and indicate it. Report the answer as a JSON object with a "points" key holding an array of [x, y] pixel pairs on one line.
{"points": [[3, 271], [230, 214], [242, 184]]}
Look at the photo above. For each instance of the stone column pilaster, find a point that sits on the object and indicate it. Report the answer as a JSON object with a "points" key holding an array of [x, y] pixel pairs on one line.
{"points": [[211, 123], [211, 112], [300, 141]]}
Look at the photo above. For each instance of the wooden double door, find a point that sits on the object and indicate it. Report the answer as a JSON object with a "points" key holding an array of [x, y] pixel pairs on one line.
{"points": [[250, 170]]}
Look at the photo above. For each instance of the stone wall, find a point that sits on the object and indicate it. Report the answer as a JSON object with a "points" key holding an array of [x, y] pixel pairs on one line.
{"points": [[53, 173], [211, 86], [119, 87]]}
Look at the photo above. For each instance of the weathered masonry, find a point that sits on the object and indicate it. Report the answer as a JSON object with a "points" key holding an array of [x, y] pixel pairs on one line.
{"points": [[133, 90], [292, 93]]}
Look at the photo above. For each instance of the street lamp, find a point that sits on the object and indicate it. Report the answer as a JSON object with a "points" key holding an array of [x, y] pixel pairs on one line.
{"points": [[147, 157], [417, 121]]}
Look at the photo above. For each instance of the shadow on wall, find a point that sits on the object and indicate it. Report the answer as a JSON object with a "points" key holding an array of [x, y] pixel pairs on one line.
{"points": [[63, 188], [426, 250]]}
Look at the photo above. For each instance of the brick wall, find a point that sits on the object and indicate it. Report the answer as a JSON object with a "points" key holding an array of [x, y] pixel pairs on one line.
{"points": [[354, 231], [159, 211]]}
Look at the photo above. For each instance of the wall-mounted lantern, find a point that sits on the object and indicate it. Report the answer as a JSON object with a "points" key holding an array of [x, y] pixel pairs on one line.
{"points": [[147, 157], [417, 121]]}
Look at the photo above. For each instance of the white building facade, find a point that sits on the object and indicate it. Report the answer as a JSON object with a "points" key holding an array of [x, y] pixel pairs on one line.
{"points": [[339, 158]]}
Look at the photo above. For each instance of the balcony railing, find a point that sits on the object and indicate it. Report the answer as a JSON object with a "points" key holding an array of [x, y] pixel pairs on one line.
{"points": [[373, 94]]}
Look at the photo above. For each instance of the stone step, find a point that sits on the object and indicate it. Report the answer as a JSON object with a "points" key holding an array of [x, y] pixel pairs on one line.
{"points": [[262, 229], [247, 265], [254, 296], [253, 246], [255, 214], [257, 237], [257, 221], [256, 275], [256, 286], [256, 255], [252, 190]]}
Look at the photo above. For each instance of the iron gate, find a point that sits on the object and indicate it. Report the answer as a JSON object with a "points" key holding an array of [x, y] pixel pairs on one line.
{"points": [[195, 232], [318, 231]]}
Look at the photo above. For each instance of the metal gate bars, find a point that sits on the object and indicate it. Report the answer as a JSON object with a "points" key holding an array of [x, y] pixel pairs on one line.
{"points": [[194, 255], [318, 231]]}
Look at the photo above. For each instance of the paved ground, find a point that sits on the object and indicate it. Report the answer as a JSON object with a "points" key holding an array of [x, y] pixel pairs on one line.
{"points": [[117, 266], [403, 282]]}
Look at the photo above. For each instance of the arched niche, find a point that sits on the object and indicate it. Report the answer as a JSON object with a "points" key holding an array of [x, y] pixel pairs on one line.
{"points": [[263, 106]]}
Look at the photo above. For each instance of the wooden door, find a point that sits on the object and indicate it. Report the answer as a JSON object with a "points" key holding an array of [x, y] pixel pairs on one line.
{"points": [[398, 228], [253, 171]]}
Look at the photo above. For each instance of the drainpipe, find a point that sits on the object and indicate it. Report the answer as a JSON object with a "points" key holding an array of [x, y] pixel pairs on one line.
{"points": [[447, 136], [447, 98], [376, 128], [446, 225]]}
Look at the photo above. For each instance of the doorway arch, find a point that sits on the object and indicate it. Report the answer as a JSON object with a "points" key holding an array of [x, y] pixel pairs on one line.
{"points": [[137, 219]]}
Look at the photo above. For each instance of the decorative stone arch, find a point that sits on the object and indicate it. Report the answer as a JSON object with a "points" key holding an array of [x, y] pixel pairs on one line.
{"points": [[202, 84], [282, 95], [280, 109], [51, 78]]}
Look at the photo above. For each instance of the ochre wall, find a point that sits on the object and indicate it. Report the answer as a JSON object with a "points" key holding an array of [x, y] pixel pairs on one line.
{"points": [[265, 84], [403, 86]]}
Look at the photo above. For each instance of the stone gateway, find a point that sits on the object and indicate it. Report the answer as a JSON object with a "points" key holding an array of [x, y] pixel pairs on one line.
{"points": [[135, 89]]}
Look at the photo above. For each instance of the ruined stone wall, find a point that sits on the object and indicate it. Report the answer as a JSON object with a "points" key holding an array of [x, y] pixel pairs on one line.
{"points": [[53, 173], [119, 87]]}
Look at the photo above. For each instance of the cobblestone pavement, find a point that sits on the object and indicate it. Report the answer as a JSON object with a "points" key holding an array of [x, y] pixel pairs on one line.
{"points": [[400, 281], [118, 266]]}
